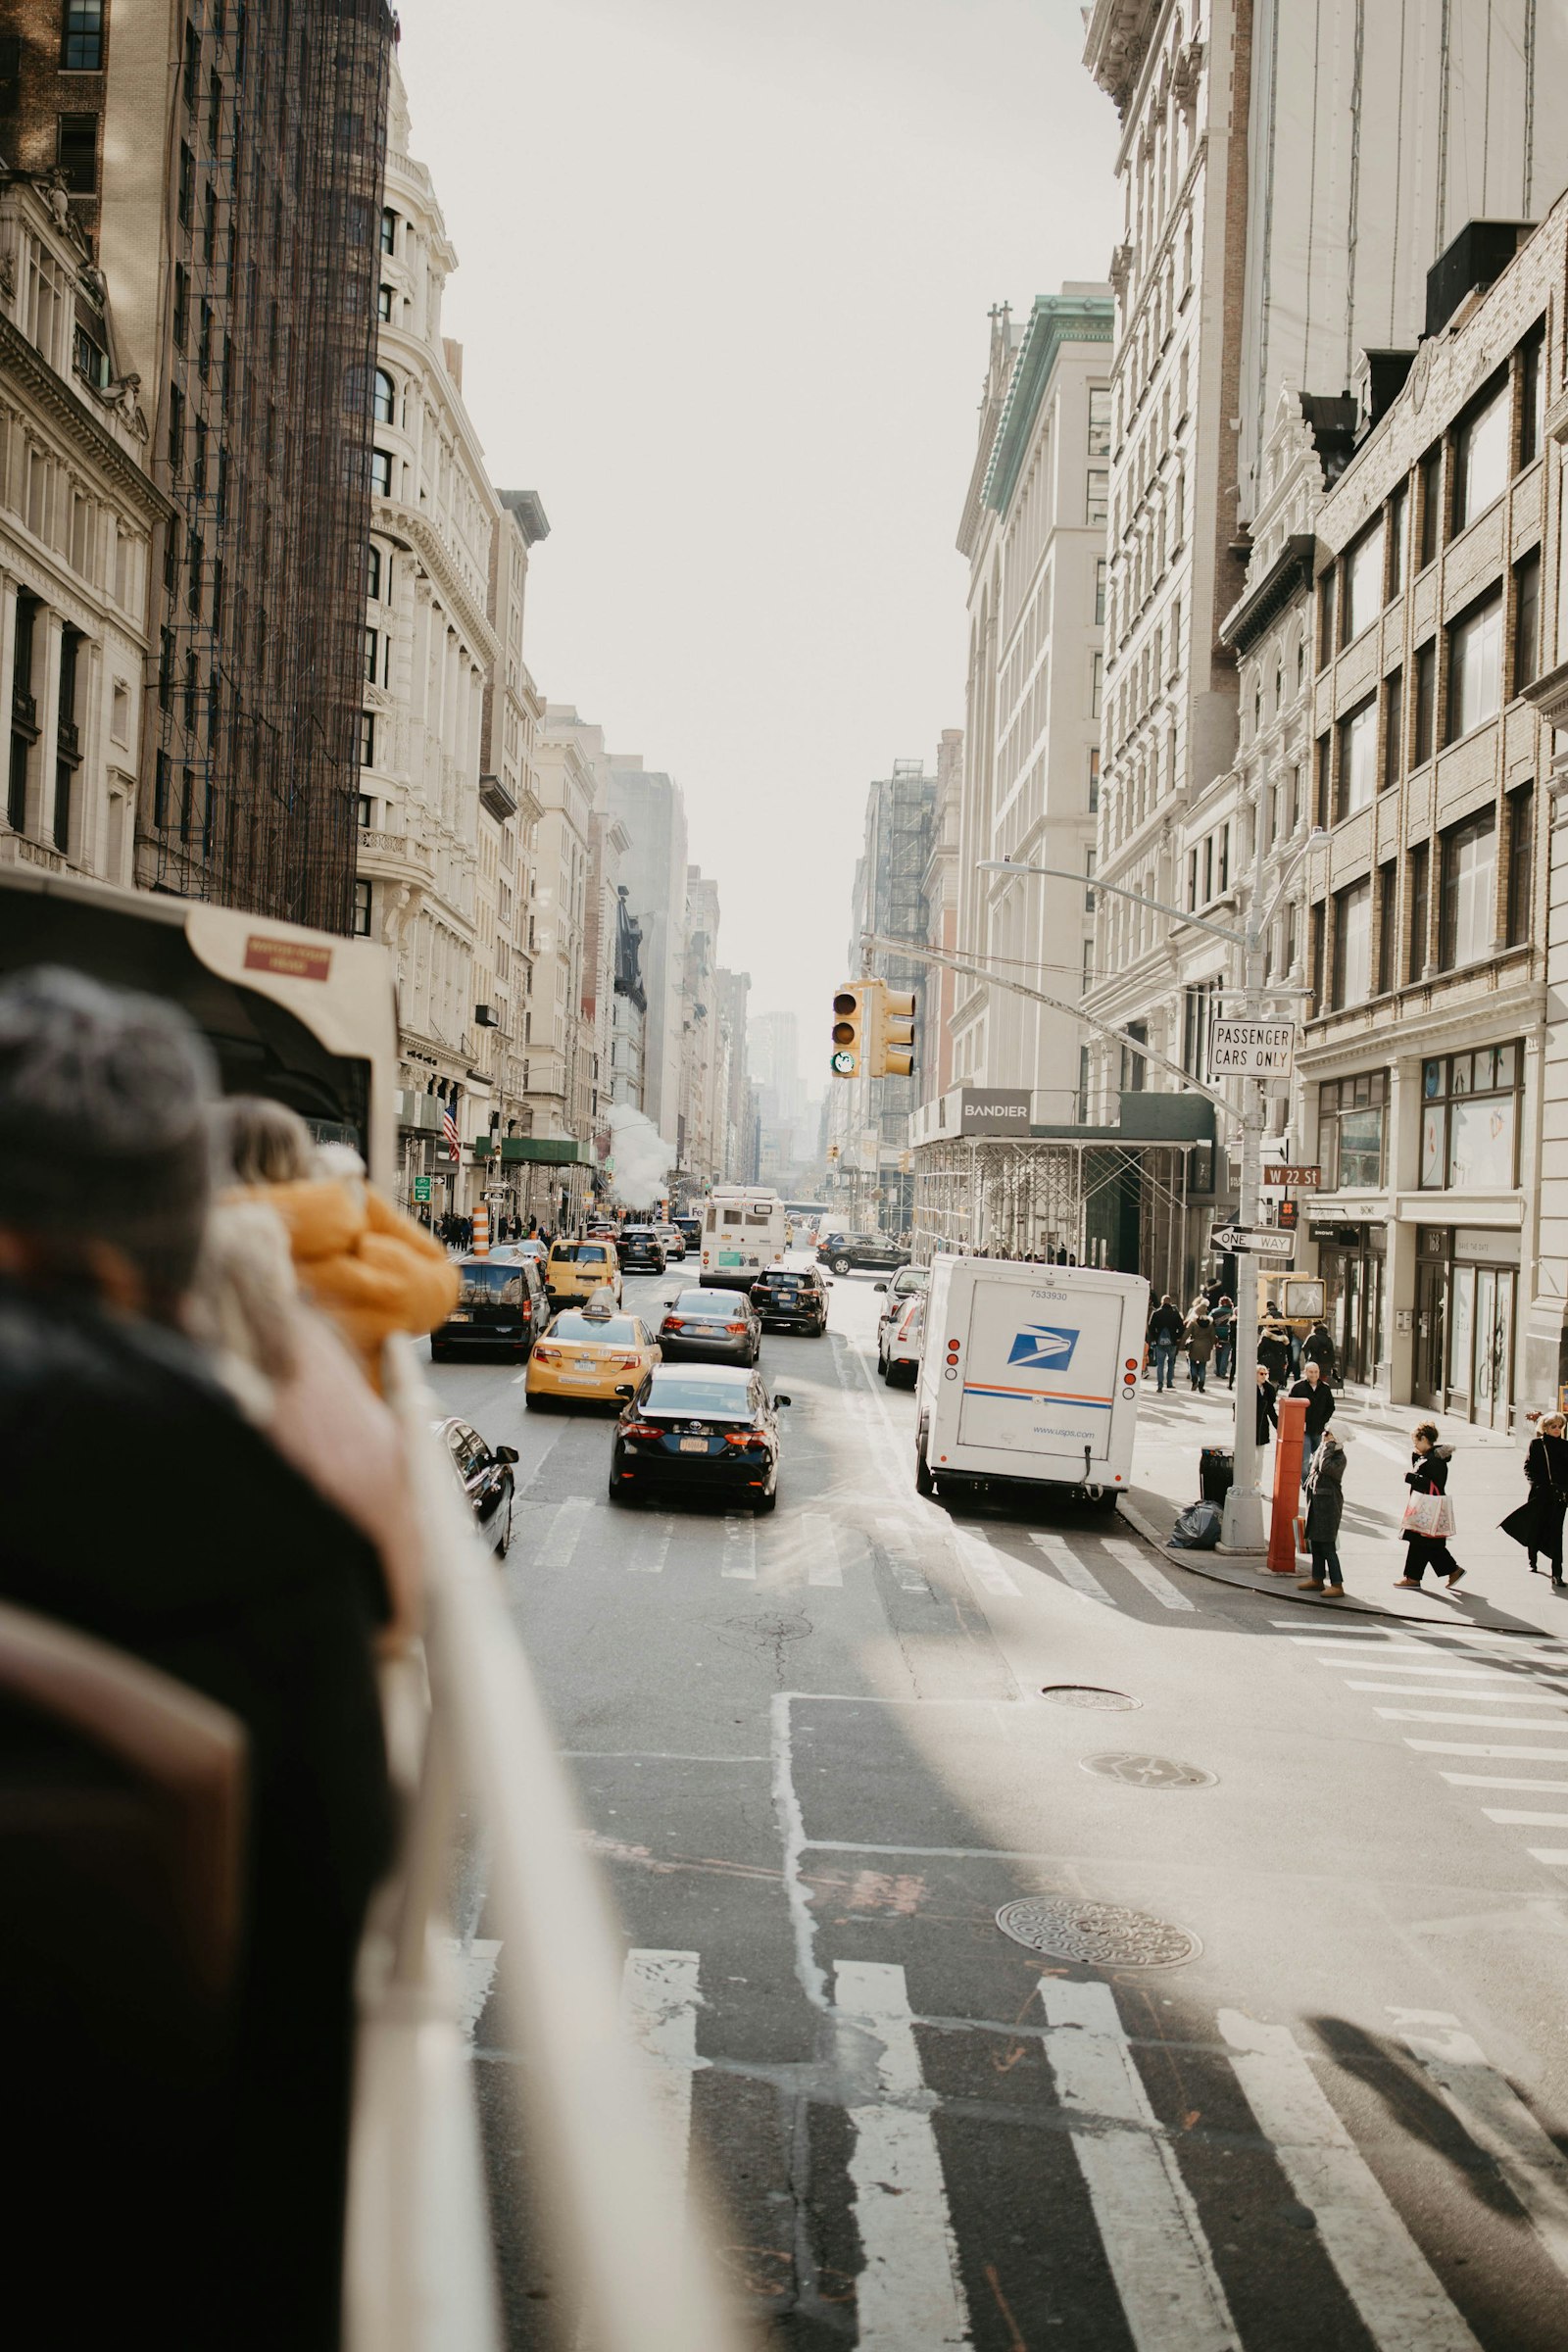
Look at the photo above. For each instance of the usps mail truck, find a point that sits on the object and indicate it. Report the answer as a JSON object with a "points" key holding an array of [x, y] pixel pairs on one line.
{"points": [[1029, 1375]]}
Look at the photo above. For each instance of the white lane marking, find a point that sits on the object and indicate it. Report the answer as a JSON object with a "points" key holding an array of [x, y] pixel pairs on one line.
{"points": [[1152, 1579], [1400, 2302], [1555, 1856], [909, 2291], [740, 1547], [1496, 2119], [1170, 2292], [1482, 1671], [1474, 1698], [1527, 1723], [1071, 1569], [659, 1998], [476, 1965], [652, 1548], [1493, 1780], [1485, 1748], [1526, 1821], [898, 1540], [823, 1563], [983, 1562], [792, 1840], [1479, 1639], [566, 1533]]}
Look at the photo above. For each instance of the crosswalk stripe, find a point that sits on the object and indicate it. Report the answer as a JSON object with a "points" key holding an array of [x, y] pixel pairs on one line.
{"points": [[1496, 2119], [740, 1547], [1526, 1821], [1170, 2293], [475, 1962], [1388, 2278], [566, 1532], [1152, 1579], [1071, 1569], [822, 1564], [1528, 1723], [909, 2291], [1474, 1698], [659, 1998], [1493, 1779], [1481, 1672], [652, 1548], [898, 1540], [1555, 1856], [978, 1555], [1485, 1748]]}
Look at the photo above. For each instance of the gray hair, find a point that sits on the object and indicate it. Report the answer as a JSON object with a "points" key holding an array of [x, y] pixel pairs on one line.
{"points": [[262, 1142]]}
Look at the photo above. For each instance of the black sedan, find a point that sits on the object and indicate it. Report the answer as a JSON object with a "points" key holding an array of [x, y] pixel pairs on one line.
{"points": [[641, 1250], [500, 1305], [791, 1299], [708, 1431], [484, 1473], [711, 1326], [870, 1252]]}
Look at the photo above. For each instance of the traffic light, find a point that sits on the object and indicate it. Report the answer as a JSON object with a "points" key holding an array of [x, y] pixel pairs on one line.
{"points": [[892, 1053], [850, 1010]]}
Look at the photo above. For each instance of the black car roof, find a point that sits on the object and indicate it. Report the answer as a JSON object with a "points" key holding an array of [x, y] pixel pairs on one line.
{"points": [[732, 1376]]}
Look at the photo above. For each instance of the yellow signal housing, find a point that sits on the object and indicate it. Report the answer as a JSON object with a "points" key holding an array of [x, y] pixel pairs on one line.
{"points": [[849, 1030], [892, 1046]]}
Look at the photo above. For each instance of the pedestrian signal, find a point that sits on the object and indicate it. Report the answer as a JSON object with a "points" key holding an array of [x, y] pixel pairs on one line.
{"points": [[893, 1035], [1289, 1215], [849, 1028]]}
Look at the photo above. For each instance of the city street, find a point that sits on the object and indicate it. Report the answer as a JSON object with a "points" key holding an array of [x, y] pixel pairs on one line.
{"points": [[819, 1753]]}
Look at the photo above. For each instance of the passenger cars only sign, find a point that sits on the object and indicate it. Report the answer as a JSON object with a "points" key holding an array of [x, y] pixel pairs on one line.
{"points": [[1251, 1048]]}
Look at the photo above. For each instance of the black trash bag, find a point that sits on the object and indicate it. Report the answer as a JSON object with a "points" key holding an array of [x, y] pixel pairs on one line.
{"points": [[1196, 1529]]}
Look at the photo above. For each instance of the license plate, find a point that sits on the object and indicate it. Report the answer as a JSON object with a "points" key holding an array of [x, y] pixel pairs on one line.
{"points": [[585, 1363], [460, 1316], [694, 1445]]}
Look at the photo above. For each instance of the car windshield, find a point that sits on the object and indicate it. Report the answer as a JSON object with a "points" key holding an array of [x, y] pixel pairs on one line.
{"points": [[610, 1331], [720, 1306], [639, 1233], [911, 1278], [482, 1284], [581, 1253], [692, 1392], [785, 1282]]}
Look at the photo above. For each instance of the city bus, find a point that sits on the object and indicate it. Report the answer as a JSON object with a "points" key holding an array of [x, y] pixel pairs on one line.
{"points": [[745, 1229]]}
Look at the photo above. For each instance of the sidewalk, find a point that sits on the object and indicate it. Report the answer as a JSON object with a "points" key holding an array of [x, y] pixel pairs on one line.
{"points": [[1484, 1481]]}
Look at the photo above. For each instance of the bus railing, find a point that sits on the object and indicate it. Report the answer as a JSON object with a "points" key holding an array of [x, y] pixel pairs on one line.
{"points": [[625, 2230]]}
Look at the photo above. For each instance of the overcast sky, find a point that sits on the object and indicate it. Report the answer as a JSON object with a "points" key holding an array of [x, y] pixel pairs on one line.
{"points": [[724, 274]]}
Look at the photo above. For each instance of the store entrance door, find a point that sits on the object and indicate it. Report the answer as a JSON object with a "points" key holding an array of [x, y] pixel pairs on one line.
{"points": [[1431, 1331]]}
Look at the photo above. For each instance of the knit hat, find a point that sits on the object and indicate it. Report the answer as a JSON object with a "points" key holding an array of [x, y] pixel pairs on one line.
{"points": [[104, 1097]]}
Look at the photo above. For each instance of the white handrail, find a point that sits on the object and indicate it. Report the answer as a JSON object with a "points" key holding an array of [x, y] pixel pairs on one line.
{"points": [[619, 2218]]}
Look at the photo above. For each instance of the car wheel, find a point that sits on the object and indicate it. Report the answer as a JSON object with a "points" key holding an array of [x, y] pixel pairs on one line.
{"points": [[924, 1481], [765, 1503], [840, 1265], [438, 1355], [505, 1545]]}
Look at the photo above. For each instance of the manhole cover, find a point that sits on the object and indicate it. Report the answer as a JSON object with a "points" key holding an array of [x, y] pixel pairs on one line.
{"points": [[1085, 1695], [1100, 1934], [1148, 1772]]}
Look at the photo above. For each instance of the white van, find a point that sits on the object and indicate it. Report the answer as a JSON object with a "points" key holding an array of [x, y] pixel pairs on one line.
{"points": [[745, 1230], [1029, 1375]]}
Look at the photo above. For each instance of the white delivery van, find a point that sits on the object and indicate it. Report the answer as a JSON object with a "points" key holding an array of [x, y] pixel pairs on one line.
{"points": [[1029, 1373], [745, 1230]]}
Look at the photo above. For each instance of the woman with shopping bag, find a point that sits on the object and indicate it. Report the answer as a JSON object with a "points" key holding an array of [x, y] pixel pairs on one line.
{"points": [[1428, 1514], [1538, 1522]]}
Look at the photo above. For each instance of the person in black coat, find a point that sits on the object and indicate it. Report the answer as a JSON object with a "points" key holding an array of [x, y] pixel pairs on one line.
{"points": [[1274, 1351], [1325, 1508], [1319, 1399], [1267, 1417], [1428, 1474], [1538, 1522], [1318, 1348]]}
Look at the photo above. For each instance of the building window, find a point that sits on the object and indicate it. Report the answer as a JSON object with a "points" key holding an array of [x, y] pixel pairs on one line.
{"points": [[381, 472], [366, 812], [1393, 726], [186, 184], [1430, 484], [1100, 594], [1097, 679], [161, 781], [1481, 457], [1350, 1114], [1325, 777], [1426, 703], [1470, 1120], [383, 397], [1388, 926], [1100, 421], [1521, 819], [1358, 757], [1325, 618], [1197, 1020], [81, 36], [1352, 945], [373, 573], [362, 911], [1398, 529], [1475, 666], [1094, 781], [77, 151], [1532, 395], [372, 647], [177, 428], [1098, 494], [1468, 913], [1419, 871], [1526, 621], [383, 303], [1361, 591], [389, 230], [367, 744]]}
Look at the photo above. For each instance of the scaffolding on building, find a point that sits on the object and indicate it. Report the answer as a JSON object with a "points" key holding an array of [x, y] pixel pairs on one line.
{"points": [[1094, 1200], [277, 157]]}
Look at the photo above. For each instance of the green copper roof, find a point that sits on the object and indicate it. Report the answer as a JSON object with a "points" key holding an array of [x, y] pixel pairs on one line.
{"points": [[1055, 318]]}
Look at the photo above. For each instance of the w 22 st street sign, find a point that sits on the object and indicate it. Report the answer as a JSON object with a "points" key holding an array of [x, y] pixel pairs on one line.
{"points": [[1253, 1241], [1251, 1048]]}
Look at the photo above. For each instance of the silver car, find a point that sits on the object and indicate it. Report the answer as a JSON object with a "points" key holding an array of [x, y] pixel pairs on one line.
{"points": [[900, 1287]]}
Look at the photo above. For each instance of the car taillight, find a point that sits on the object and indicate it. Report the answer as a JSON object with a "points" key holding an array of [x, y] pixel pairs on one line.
{"points": [[744, 1436], [672, 1323], [734, 1327], [629, 1363], [643, 1429]]}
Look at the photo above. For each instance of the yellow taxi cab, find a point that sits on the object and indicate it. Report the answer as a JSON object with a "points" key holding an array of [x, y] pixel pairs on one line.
{"points": [[574, 1270], [591, 1352]]}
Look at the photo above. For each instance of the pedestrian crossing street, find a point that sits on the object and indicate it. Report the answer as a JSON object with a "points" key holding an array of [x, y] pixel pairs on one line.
{"points": [[919, 2287], [1475, 1683]]}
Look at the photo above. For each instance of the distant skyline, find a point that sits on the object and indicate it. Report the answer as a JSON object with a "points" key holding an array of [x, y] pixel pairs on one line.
{"points": [[723, 283]]}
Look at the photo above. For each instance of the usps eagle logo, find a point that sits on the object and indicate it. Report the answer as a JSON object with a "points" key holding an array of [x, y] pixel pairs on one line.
{"points": [[1044, 1347]]}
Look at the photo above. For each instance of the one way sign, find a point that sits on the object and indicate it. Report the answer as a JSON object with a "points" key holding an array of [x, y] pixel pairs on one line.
{"points": [[1257, 1240]]}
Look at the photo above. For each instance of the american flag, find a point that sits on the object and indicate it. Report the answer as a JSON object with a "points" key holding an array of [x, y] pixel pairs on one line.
{"points": [[449, 1131]]}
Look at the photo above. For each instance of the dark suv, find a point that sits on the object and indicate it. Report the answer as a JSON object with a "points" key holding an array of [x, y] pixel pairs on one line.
{"points": [[641, 1250], [867, 1252], [500, 1305], [791, 1299]]}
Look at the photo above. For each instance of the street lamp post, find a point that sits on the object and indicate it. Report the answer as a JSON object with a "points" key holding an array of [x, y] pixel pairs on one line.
{"points": [[1243, 1522]]}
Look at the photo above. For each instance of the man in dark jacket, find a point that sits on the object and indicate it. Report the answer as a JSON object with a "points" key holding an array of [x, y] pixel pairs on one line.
{"points": [[1325, 1508], [1318, 1348], [142, 1510], [1165, 1327], [1268, 1419], [1319, 1399]]}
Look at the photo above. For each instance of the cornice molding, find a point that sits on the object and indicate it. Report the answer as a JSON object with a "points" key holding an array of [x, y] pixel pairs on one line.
{"points": [[26, 366], [392, 519]]}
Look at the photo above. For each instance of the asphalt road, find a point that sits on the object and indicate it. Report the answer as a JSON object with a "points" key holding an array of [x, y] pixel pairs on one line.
{"points": [[819, 1753]]}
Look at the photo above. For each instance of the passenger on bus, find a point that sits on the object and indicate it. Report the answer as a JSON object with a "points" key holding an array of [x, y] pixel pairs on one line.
{"points": [[144, 1509], [366, 1264]]}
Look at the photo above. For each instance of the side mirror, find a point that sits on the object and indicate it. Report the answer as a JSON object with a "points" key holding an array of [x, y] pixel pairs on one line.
{"points": [[879, 1286], [624, 1390], [780, 1403], [504, 1453]]}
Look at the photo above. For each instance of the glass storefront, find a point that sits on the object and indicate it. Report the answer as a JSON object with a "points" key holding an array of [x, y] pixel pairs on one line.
{"points": [[1466, 1296], [1351, 1262]]}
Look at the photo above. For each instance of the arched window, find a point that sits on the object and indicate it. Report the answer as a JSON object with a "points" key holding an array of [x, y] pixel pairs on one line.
{"points": [[372, 572], [385, 396]]}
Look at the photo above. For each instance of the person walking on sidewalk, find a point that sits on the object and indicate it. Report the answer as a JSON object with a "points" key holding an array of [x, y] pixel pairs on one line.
{"points": [[1537, 1522], [1274, 1351], [1225, 1341], [1199, 1339], [1428, 1475], [1165, 1328], [1325, 1507], [1267, 1418], [1318, 1348], [1319, 1412]]}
